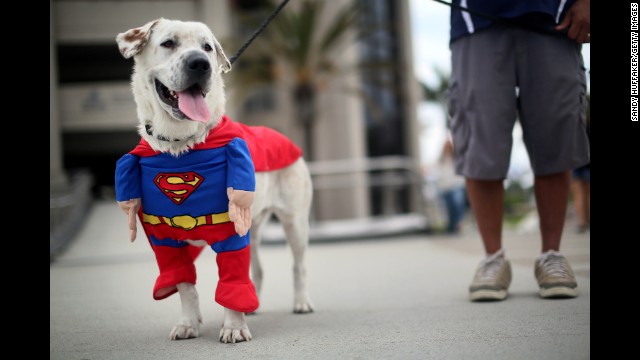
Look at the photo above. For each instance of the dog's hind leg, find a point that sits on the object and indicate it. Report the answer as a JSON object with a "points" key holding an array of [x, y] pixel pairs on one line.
{"points": [[258, 222], [189, 324], [294, 207], [296, 228]]}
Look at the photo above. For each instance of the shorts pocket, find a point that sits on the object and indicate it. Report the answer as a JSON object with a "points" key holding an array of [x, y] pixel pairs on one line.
{"points": [[457, 124]]}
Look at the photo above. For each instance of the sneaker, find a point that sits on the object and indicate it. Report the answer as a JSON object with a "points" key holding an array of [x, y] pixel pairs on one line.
{"points": [[555, 276], [492, 279]]}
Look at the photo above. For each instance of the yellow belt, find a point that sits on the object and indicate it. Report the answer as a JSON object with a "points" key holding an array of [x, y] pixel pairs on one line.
{"points": [[186, 222]]}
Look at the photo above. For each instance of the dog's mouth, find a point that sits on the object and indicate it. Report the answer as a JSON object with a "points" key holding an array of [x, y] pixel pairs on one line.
{"points": [[188, 103]]}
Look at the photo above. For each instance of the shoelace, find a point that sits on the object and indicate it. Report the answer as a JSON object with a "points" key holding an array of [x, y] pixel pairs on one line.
{"points": [[555, 265], [490, 269]]}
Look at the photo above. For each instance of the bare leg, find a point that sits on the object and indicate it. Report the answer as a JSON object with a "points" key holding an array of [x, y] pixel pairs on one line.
{"points": [[552, 195], [579, 201], [486, 198], [586, 188]]}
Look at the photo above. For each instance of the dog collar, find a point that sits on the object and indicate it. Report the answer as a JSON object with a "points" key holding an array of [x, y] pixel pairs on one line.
{"points": [[147, 128]]}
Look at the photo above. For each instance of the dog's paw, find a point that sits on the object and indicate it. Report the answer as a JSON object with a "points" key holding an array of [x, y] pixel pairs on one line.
{"points": [[185, 331], [235, 334], [303, 308], [302, 305]]}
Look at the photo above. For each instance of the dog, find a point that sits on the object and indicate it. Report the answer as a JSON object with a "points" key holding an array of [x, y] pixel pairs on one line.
{"points": [[178, 87]]}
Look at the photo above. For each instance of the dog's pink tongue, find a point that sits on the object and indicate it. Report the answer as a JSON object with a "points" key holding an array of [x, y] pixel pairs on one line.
{"points": [[192, 104]]}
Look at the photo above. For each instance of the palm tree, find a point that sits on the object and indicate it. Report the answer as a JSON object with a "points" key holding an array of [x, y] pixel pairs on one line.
{"points": [[438, 92], [296, 39]]}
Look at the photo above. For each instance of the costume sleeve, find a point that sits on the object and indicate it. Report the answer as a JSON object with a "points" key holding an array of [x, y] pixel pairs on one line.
{"points": [[128, 178], [240, 170]]}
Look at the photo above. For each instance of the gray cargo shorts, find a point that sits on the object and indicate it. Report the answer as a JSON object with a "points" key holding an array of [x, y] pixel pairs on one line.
{"points": [[550, 102]]}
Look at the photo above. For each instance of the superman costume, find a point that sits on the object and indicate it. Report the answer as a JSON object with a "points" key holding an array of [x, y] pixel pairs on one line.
{"points": [[185, 198]]}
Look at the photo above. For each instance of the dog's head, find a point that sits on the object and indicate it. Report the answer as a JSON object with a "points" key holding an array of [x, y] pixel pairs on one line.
{"points": [[177, 81]]}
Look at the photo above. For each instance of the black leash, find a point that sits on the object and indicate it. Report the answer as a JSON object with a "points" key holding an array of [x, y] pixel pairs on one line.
{"points": [[258, 31]]}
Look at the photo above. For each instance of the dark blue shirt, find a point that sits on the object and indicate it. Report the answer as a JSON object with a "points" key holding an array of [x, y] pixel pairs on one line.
{"points": [[541, 15]]}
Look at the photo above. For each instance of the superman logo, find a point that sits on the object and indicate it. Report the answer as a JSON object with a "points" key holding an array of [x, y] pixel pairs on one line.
{"points": [[178, 186]]}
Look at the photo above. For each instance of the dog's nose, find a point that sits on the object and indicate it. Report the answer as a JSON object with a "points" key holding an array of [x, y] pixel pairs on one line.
{"points": [[198, 65]]}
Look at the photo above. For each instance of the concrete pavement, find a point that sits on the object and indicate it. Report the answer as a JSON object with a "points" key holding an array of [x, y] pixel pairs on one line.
{"points": [[403, 297]]}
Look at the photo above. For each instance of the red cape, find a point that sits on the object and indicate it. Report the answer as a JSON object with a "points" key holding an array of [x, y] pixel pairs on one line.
{"points": [[270, 150]]}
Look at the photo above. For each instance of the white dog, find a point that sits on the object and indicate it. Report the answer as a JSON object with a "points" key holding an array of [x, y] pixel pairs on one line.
{"points": [[179, 92]]}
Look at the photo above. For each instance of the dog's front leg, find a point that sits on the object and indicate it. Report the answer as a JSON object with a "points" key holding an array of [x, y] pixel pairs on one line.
{"points": [[189, 324], [234, 328]]}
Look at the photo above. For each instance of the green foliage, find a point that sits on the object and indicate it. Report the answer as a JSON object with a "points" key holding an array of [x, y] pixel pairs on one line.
{"points": [[517, 202], [436, 92], [303, 37]]}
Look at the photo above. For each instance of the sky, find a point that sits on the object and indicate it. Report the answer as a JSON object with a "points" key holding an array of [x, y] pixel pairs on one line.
{"points": [[430, 28]]}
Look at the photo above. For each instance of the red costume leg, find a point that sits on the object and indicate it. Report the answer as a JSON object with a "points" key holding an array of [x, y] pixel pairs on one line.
{"points": [[176, 266], [235, 289]]}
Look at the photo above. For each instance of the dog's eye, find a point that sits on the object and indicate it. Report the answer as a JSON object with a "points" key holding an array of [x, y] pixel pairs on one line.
{"points": [[207, 47], [169, 44]]}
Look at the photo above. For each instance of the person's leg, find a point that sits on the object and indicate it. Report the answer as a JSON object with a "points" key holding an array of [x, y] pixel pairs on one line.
{"points": [[578, 200], [552, 104], [577, 188], [586, 188], [552, 270], [459, 205], [482, 106], [552, 196], [447, 198], [455, 202], [493, 275], [486, 198]]}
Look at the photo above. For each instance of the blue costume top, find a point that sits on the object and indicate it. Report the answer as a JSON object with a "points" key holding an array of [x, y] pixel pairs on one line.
{"points": [[185, 197]]}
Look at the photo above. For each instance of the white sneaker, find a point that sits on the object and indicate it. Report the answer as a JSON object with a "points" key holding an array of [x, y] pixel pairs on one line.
{"points": [[555, 276], [492, 279]]}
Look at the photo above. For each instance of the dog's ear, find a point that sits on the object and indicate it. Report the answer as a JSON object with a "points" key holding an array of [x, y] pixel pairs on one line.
{"points": [[224, 63], [133, 41]]}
